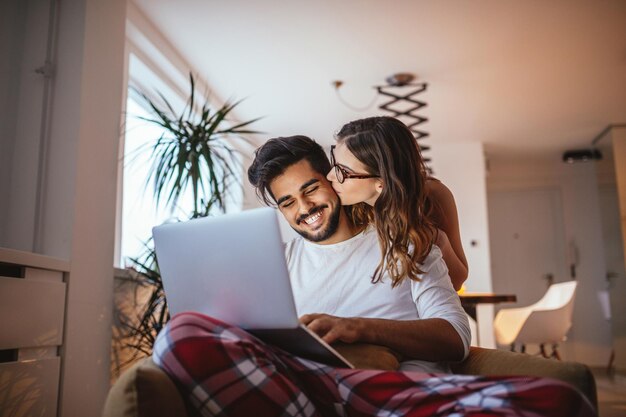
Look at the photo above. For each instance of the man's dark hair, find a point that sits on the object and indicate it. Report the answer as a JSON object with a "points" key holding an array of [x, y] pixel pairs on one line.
{"points": [[278, 154]]}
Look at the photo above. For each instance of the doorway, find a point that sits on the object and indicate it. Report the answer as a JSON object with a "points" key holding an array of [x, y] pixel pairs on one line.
{"points": [[616, 274], [528, 249]]}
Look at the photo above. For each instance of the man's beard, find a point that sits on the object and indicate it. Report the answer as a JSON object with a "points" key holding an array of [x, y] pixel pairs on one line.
{"points": [[331, 228]]}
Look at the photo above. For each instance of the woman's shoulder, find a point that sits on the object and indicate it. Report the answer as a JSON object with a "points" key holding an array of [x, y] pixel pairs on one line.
{"points": [[437, 189], [441, 200]]}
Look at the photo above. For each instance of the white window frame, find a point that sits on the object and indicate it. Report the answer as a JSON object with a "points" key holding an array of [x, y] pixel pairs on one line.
{"points": [[150, 68]]}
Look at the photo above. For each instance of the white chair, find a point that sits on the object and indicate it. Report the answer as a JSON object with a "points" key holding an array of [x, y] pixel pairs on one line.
{"points": [[545, 322]]}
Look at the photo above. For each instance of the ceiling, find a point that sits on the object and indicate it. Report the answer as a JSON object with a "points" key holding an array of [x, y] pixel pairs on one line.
{"points": [[527, 79]]}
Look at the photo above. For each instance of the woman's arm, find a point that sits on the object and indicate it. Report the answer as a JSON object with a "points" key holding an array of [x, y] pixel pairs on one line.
{"points": [[446, 218]]}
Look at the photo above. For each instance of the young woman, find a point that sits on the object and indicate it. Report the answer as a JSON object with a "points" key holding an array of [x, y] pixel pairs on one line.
{"points": [[377, 169]]}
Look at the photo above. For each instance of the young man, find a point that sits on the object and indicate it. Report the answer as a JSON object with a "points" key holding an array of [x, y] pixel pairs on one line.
{"points": [[331, 266], [226, 371]]}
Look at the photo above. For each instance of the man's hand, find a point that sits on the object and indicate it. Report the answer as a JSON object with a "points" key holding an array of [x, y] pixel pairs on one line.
{"points": [[433, 339], [334, 329]]}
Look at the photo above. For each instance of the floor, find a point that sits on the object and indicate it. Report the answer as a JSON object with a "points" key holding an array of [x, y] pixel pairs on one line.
{"points": [[611, 393]]}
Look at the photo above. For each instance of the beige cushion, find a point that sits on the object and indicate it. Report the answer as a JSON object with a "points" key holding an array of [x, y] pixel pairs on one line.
{"points": [[144, 390], [501, 362]]}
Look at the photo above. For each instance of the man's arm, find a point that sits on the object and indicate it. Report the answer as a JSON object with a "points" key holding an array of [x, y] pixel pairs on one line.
{"points": [[432, 339], [440, 334]]}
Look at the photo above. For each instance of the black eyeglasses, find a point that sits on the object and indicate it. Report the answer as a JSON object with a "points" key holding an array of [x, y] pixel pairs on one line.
{"points": [[341, 173]]}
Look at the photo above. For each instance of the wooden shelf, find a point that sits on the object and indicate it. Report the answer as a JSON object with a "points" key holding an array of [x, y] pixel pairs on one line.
{"points": [[34, 260]]}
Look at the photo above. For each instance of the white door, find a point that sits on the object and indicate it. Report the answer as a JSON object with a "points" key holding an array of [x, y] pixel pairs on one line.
{"points": [[616, 276], [527, 239]]}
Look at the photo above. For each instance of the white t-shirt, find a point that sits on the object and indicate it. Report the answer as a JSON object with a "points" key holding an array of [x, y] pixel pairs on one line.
{"points": [[336, 279]]}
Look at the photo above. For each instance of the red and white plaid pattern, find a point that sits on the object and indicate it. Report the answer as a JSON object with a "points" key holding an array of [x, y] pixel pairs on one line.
{"points": [[225, 371]]}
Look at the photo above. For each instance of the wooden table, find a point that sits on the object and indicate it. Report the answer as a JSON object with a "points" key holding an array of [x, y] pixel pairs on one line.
{"points": [[470, 301]]}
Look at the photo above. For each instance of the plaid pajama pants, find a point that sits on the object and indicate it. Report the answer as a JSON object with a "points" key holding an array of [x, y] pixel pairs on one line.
{"points": [[226, 371]]}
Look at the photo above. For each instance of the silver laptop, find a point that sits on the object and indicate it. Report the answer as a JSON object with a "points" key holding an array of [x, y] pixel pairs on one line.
{"points": [[232, 267]]}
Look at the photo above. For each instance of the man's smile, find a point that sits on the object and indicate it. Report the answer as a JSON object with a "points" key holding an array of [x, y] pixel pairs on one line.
{"points": [[312, 219]]}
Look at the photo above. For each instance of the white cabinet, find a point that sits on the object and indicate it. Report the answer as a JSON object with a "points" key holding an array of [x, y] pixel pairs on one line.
{"points": [[32, 313]]}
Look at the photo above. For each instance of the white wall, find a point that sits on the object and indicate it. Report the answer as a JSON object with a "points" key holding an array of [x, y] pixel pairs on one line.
{"points": [[23, 41], [249, 197], [461, 167], [78, 198], [12, 16], [80, 206], [590, 338], [618, 284]]}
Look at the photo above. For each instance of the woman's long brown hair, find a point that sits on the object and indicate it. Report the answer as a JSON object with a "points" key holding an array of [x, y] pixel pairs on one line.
{"points": [[388, 149]]}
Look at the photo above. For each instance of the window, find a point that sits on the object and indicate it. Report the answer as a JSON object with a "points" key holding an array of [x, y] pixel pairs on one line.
{"points": [[151, 69], [140, 212]]}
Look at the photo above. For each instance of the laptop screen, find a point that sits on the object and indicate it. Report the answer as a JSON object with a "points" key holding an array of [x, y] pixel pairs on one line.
{"points": [[231, 267]]}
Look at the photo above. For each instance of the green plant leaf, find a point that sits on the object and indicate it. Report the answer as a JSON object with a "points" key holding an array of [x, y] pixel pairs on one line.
{"points": [[194, 152]]}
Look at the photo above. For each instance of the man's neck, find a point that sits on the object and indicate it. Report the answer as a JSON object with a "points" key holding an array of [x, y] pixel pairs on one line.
{"points": [[345, 230]]}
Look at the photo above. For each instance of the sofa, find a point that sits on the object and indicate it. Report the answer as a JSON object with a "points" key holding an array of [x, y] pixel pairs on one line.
{"points": [[145, 390]]}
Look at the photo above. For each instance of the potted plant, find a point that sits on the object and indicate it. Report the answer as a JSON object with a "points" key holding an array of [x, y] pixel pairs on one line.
{"points": [[194, 153]]}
